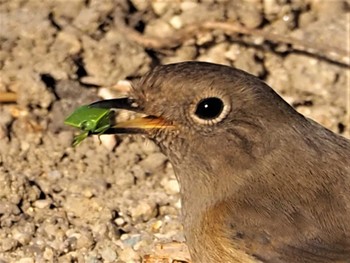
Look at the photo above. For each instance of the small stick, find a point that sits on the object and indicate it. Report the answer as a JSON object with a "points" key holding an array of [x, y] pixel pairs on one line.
{"points": [[321, 50], [8, 97]]}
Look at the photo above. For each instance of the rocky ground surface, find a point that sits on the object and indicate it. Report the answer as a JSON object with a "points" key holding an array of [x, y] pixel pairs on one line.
{"points": [[117, 201]]}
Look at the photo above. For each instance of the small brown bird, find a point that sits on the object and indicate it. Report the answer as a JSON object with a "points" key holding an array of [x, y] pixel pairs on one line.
{"points": [[259, 181]]}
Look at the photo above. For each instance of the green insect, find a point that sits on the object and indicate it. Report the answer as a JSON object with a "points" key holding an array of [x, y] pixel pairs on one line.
{"points": [[90, 120]]}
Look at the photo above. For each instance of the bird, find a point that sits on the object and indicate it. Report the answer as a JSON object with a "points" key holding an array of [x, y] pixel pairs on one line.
{"points": [[259, 182]]}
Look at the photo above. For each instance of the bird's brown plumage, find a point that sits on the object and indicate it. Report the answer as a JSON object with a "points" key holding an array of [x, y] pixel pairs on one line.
{"points": [[264, 184]]}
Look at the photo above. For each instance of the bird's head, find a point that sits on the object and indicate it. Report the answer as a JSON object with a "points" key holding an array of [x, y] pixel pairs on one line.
{"points": [[203, 108]]}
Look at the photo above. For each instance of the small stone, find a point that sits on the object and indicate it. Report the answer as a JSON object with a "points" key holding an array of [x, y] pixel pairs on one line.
{"points": [[143, 211], [65, 138], [119, 221], [159, 7], [48, 254], [105, 93], [129, 255], [100, 230], [124, 179], [153, 162], [159, 28], [108, 254], [87, 192], [54, 175], [26, 260], [8, 244], [138, 172], [250, 15], [176, 22], [130, 240], [233, 52], [216, 54], [42, 203], [271, 8], [140, 4], [22, 237], [188, 5], [178, 204], [7, 208], [84, 240], [123, 86], [109, 141], [204, 38], [171, 186], [156, 225], [69, 42]]}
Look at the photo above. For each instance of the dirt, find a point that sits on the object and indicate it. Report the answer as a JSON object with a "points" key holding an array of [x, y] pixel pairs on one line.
{"points": [[117, 201]]}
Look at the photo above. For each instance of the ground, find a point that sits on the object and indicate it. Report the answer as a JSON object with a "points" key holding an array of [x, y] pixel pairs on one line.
{"points": [[115, 201]]}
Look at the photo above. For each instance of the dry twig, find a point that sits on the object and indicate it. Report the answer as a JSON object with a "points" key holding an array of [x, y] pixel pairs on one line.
{"points": [[8, 97], [334, 54]]}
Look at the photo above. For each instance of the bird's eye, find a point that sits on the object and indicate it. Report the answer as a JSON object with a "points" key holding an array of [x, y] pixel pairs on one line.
{"points": [[210, 110]]}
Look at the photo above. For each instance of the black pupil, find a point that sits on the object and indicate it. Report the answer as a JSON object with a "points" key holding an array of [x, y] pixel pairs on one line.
{"points": [[209, 108]]}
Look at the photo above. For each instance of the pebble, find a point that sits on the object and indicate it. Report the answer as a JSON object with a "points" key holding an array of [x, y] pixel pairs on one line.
{"points": [[6, 208], [123, 86], [100, 231], [108, 254], [159, 28], [48, 254], [216, 54], [143, 211], [54, 175], [171, 186], [8, 244], [22, 237], [233, 52], [271, 8], [42, 203], [138, 172], [153, 162], [130, 240], [178, 204], [67, 41], [250, 15], [188, 5], [107, 58], [124, 179], [84, 239], [156, 225], [204, 38], [119, 221], [108, 141], [128, 255], [26, 260], [65, 138], [140, 4], [105, 93], [176, 22], [247, 61], [160, 7]]}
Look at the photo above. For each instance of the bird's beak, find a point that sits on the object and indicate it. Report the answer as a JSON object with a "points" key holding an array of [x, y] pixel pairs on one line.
{"points": [[137, 125]]}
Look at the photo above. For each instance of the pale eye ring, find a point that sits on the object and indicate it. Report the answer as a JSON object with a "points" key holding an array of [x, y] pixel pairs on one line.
{"points": [[210, 110]]}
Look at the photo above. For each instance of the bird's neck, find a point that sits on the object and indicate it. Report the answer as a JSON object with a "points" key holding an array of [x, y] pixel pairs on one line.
{"points": [[199, 192]]}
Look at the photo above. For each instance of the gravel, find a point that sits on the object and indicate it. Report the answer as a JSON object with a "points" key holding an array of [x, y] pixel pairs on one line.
{"points": [[118, 200]]}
